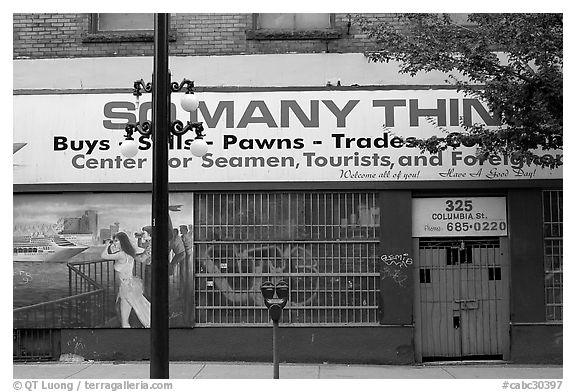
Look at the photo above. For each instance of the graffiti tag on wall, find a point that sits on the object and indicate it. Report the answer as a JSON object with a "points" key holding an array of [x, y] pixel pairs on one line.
{"points": [[394, 267], [399, 260], [397, 275]]}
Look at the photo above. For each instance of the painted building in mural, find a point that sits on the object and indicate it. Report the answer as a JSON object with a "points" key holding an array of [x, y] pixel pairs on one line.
{"points": [[390, 255]]}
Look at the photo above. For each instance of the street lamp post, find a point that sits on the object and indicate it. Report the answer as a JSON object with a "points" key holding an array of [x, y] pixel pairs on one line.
{"points": [[159, 332], [160, 129]]}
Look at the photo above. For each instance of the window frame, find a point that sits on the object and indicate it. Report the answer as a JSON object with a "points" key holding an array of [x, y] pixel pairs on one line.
{"points": [[100, 36], [258, 33], [94, 27]]}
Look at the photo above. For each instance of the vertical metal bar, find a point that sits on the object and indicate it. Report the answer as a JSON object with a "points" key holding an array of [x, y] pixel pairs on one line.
{"points": [[353, 264], [270, 220], [550, 210], [159, 336], [257, 219], [477, 275], [560, 233], [376, 280], [328, 206], [358, 265], [100, 281], [229, 229], [243, 216], [551, 220], [317, 223], [302, 287], [483, 323], [192, 265], [555, 256], [289, 212], [336, 263], [211, 225], [485, 252], [69, 281]]}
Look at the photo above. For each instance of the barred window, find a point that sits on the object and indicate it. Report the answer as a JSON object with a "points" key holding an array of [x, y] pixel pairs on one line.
{"points": [[322, 244], [553, 256]]}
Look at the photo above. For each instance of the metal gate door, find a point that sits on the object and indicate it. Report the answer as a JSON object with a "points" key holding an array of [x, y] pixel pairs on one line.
{"points": [[462, 300]]}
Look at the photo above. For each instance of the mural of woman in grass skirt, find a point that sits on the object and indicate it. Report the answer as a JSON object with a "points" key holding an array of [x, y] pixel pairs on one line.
{"points": [[130, 293]]}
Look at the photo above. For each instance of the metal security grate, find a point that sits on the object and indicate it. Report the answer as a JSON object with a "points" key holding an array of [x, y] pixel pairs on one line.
{"points": [[322, 244], [461, 299], [553, 256], [35, 344], [460, 251]]}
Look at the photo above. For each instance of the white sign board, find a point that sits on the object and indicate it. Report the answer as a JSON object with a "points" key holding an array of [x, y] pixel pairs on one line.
{"points": [[268, 136], [459, 217]]}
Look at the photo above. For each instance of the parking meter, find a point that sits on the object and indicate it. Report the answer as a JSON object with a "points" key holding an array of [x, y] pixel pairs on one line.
{"points": [[268, 290], [275, 306], [282, 290]]}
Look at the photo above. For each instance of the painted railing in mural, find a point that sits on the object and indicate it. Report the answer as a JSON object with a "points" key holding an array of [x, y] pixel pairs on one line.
{"points": [[83, 276], [91, 301], [83, 307]]}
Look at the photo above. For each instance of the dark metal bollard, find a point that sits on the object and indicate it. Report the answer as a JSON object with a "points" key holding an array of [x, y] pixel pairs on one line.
{"points": [[275, 306]]}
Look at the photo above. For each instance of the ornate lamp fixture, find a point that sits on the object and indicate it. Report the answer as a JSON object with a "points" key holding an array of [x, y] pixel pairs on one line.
{"points": [[198, 147]]}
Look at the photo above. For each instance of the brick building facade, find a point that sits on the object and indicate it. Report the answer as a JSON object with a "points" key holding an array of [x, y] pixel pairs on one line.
{"points": [[70, 35], [301, 182]]}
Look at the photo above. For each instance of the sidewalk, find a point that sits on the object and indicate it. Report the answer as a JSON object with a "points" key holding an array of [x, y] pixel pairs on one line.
{"points": [[245, 370]]}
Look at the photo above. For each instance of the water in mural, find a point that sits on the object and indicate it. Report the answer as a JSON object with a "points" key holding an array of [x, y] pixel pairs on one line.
{"points": [[36, 282]]}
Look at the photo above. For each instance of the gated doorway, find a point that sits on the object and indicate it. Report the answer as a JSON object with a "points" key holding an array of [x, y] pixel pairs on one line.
{"points": [[462, 298]]}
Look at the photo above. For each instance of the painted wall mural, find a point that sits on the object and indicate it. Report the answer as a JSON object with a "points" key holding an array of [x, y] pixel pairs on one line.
{"points": [[59, 276]]}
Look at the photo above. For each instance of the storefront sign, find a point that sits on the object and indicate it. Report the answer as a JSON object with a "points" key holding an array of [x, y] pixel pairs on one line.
{"points": [[459, 217], [269, 136]]}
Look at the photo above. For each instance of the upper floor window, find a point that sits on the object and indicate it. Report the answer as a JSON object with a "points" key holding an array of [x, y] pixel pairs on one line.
{"points": [[119, 22], [303, 21], [303, 26], [122, 27]]}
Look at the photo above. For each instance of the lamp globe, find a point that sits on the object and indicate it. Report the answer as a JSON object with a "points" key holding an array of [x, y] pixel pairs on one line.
{"points": [[129, 148], [189, 102], [198, 147]]}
